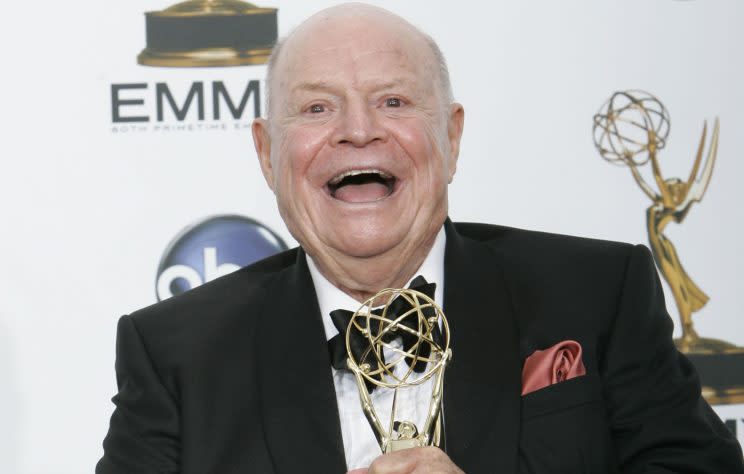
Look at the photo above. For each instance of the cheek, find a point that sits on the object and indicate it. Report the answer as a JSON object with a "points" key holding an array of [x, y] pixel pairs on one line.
{"points": [[300, 148], [422, 143]]}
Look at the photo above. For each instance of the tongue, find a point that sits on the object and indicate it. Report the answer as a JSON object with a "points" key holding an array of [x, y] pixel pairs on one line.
{"points": [[366, 192]]}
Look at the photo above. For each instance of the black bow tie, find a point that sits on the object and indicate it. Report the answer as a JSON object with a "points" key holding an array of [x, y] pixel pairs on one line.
{"points": [[359, 344]]}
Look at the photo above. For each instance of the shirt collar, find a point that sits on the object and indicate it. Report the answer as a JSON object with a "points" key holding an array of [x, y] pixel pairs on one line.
{"points": [[331, 298]]}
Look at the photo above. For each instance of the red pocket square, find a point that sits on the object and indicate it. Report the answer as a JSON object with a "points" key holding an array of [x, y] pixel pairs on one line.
{"points": [[552, 365]]}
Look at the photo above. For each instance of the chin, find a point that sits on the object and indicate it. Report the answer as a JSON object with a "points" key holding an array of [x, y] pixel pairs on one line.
{"points": [[369, 238]]}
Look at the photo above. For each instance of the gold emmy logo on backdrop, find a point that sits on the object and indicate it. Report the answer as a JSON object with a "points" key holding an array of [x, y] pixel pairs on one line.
{"points": [[431, 347], [630, 130], [205, 33]]}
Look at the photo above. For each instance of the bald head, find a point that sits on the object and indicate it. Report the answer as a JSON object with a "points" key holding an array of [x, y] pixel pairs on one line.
{"points": [[339, 22]]}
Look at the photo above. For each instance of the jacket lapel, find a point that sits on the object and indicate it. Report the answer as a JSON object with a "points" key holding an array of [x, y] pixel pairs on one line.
{"points": [[482, 383], [300, 413]]}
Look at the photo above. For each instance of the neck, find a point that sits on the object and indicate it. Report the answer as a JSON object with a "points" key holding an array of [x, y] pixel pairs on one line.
{"points": [[362, 277]]}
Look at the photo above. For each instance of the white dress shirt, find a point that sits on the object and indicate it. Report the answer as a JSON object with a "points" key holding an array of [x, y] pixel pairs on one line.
{"points": [[360, 444]]}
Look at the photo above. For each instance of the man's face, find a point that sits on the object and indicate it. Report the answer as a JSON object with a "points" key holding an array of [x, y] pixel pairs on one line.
{"points": [[361, 145]]}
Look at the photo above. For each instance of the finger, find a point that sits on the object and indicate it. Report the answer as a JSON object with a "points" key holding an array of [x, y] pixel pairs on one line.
{"points": [[397, 462], [358, 471], [414, 461], [434, 460]]}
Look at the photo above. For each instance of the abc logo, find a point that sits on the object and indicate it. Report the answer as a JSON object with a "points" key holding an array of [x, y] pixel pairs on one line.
{"points": [[212, 248]]}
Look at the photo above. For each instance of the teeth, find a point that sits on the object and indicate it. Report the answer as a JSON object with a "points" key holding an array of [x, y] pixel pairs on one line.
{"points": [[346, 174]]}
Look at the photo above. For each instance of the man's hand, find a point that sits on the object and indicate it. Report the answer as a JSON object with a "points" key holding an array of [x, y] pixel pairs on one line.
{"points": [[429, 460]]}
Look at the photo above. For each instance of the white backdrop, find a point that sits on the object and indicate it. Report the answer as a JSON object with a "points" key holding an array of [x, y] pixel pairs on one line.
{"points": [[87, 212]]}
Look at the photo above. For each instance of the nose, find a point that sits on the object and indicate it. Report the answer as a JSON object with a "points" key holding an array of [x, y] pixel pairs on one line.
{"points": [[359, 125]]}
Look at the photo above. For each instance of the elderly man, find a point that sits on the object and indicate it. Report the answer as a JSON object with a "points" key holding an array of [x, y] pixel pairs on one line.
{"points": [[360, 144]]}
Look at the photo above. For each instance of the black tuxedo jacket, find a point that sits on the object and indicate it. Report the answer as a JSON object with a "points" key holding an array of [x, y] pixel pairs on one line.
{"points": [[234, 376]]}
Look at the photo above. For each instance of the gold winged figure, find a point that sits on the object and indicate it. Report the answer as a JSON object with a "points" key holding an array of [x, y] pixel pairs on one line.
{"points": [[630, 130]]}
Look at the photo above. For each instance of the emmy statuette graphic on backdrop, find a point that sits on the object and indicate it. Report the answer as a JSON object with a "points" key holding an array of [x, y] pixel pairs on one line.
{"points": [[630, 130], [209, 33], [423, 323]]}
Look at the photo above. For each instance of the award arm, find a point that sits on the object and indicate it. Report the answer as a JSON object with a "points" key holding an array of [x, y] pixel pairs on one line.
{"points": [[659, 420], [143, 436]]}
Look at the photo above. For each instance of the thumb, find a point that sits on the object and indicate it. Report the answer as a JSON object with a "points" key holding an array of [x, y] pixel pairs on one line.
{"points": [[358, 471]]}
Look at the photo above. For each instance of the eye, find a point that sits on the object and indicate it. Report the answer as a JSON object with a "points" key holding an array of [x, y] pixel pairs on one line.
{"points": [[393, 102], [316, 109]]}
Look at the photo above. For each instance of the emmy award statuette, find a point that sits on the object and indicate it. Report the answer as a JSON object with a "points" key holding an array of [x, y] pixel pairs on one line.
{"points": [[630, 130], [424, 326]]}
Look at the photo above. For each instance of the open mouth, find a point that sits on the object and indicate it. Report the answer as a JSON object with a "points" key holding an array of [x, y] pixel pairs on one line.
{"points": [[359, 186]]}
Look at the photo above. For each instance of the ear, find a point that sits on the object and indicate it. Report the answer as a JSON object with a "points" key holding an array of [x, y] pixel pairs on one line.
{"points": [[262, 142], [455, 123]]}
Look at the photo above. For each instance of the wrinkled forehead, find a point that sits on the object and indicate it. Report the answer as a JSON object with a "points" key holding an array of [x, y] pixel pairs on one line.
{"points": [[355, 63], [352, 51]]}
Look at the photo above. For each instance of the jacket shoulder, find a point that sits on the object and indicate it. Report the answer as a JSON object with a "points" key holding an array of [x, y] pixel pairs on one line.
{"points": [[239, 287], [548, 267], [513, 240], [206, 313]]}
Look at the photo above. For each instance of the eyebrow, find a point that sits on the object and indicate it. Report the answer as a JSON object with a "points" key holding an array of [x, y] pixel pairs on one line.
{"points": [[327, 86], [398, 81], [314, 86]]}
